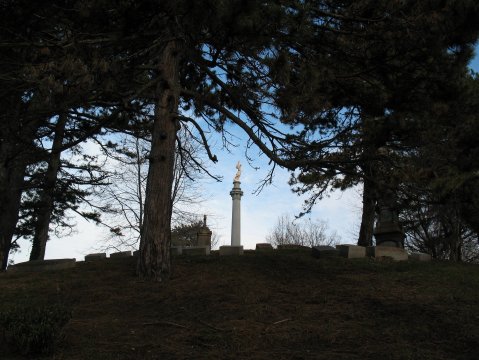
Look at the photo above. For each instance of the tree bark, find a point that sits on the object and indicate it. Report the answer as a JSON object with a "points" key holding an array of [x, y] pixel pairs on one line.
{"points": [[12, 171], [45, 209], [368, 214], [154, 255]]}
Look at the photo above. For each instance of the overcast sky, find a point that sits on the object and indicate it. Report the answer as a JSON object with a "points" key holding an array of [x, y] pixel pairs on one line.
{"points": [[259, 212]]}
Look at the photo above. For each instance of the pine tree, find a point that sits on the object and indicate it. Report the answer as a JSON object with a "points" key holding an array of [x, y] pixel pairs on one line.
{"points": [[377, 68], [439, 178], [50, 65], [207, 62]]}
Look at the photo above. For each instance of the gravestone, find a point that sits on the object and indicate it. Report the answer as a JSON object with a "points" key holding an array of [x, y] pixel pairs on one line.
{"points": [[324, 251], [95, 256], [43, 265], [264, 247], [419, 256], [120, 254], [293, 247], [176, 250], [351, 251], [195, 250], [203, 235], [388, 232]]}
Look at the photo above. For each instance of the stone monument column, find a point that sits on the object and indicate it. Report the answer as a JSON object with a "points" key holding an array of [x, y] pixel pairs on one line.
{"points": [[387, 231], [235, 248], [236, 195]]}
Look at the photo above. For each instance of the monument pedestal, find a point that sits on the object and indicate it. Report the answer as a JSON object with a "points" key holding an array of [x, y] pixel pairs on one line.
{"points": [[231, 250], [394, 253], [389, 237], [388, 232]]}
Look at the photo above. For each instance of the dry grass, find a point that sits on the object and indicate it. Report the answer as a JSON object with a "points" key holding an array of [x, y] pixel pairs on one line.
{"points": [[283, 305]]}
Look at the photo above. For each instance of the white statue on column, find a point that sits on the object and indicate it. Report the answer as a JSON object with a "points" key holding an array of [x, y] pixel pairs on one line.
{"points": [[238, 172]]}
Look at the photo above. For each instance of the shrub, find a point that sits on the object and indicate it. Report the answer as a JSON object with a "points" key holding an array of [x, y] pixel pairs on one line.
{"points": [[33, 330]]}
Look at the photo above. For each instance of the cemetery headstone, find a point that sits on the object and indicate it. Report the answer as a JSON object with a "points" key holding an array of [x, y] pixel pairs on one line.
{"points": [[351, 251], [264, 247], [195, 250], [95, 256], [204, 235], [419, 256], [293, 247], [120, 254], [43, 265], [324, 251]]}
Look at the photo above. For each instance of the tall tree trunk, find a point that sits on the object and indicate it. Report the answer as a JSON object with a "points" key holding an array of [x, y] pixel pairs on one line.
{"points": [[154, 255], [455, 239], [45, 209], [368, 214], [11, 182], [15, 139]]}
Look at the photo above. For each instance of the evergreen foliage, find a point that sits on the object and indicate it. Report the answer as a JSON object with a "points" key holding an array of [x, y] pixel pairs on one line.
{"points": [[320, 87]]}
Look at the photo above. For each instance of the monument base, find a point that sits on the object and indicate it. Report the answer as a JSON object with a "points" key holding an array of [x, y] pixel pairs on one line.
{"points": [[389, 234], [231, 250], [395, 253], [195, 250]]}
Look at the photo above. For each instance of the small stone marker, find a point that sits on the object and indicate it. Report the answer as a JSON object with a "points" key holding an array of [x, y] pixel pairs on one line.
{"points": [[351, 251], [324, 251], [195, 250], [120, 254], [176, 250], [419, 256], [43, 265], [395, 253], [264, 247], [293, 247], [231, 250], [95, 256]]}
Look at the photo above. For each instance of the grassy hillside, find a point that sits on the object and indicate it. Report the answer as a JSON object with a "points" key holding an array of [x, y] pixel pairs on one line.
{"points": [[260, 306]]}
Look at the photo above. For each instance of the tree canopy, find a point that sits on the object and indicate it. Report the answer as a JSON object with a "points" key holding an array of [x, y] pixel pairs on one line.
{"points": [[318, 86]]}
